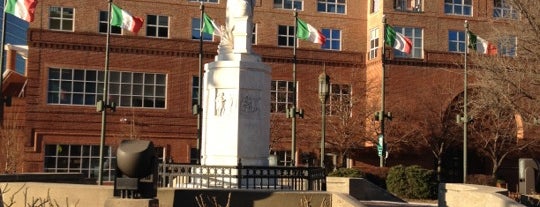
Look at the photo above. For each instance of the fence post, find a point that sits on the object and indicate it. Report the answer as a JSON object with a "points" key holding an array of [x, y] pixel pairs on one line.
{"points": [[239, 171]]}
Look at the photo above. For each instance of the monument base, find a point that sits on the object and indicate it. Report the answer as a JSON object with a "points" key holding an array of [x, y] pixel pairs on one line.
{"points": [[122, 202]]}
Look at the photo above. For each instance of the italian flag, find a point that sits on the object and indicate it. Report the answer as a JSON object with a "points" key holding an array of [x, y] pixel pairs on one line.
{"points": [[397, 40], [23, 9], [305, 31], [124, 20], [209, 26], [481, 45]]}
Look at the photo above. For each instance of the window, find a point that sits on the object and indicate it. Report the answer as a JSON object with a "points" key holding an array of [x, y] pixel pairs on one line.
{"points": [[415, 34], [331, 6], [456, 41], [340, 100], [458, 7], [286, 36], [375, 4], [502, 9], [104, 24], [61, 18], [194, 90], [254, 35], [333, 39], [373, 43], [283, 158], [196, 30], [157, 26], [288, 4], [85, 87], [507, 46], [79, 159], [208, 1], [281, 95], [408, 5]]}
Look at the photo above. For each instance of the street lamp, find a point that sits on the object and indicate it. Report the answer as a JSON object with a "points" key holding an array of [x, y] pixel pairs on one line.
{"points": [[324, 82]]}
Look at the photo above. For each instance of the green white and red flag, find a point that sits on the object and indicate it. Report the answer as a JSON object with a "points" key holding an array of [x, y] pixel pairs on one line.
{"points": [[210, 26], [397, 40], [23, 9], [481, 45], [123, 19], [305, 31]]}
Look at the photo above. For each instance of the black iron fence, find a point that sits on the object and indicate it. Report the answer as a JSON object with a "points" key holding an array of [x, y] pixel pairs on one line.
{"points": [[242, 177]]}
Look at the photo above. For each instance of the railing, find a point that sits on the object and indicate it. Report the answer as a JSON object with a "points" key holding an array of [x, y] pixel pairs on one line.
{"points": [[242, 177]]}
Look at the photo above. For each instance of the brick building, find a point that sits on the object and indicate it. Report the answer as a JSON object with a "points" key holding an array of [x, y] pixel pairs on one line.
{"points": [[154, 74]]}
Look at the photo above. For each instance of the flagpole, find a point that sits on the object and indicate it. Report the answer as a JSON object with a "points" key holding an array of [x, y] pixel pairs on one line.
{"points": [[465, 118], [292, 112], [381, 115], [198, 109], [2, 40], [104, 103]]}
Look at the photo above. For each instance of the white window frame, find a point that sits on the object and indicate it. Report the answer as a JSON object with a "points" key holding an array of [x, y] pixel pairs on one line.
{"points": [[79, 159], [254, 34], [63, 19], [105, 23], [290, 36], [196, 29], [339, 96], [85, 88], [507, 46], [281, 95], [158, 26], [459, 8], [503, 10], [331, 38], [458, 43], [289, 4], [416, 36], [408, 5], [374, 43], [332, 6]]}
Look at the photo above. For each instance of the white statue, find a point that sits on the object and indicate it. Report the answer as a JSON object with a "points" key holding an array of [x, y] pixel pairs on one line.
{"points": [[239, 25]]}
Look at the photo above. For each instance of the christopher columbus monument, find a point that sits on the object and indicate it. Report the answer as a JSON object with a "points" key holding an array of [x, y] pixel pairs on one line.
{"points": [[236, 96]]}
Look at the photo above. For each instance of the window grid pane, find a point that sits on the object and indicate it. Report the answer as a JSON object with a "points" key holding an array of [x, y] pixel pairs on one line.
{"points": [[458, 7], [79, 159], [286, 36], [333, 39], [289, 4], [281, 94], [61, 18], [331, 6], [340, 100], [103, 24], [415, 34], [196, 28], [157, 26], [456, 41], [80, 87], [373, 43]]}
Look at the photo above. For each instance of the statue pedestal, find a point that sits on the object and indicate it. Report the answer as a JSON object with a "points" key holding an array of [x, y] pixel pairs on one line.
{"points": [[236, 113]]}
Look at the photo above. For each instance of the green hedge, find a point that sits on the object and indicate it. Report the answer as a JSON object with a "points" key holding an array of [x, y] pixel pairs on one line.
{"points": [[347, 172], [412, 182]]}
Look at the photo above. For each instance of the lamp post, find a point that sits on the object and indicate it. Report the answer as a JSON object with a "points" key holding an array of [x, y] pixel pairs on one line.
{"points": [[324, 82]]}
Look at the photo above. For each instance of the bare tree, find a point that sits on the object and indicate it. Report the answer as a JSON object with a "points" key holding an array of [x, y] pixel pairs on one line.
{"points": [[497, 130], [11, 134], [507, 92]]}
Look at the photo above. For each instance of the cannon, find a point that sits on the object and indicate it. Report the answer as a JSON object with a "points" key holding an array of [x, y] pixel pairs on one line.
{"points": [[136, 170]]}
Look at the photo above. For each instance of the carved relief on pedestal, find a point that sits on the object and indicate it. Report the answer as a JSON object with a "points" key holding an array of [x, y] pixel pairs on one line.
{"points": [[249, 104], [223, 103]]}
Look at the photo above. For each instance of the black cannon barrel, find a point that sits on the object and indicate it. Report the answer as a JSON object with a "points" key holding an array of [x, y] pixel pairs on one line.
{"points": [[135, 158]]}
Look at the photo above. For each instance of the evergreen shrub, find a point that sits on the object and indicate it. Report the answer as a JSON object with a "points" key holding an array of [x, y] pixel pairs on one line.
{"points": [[412, 182]]}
